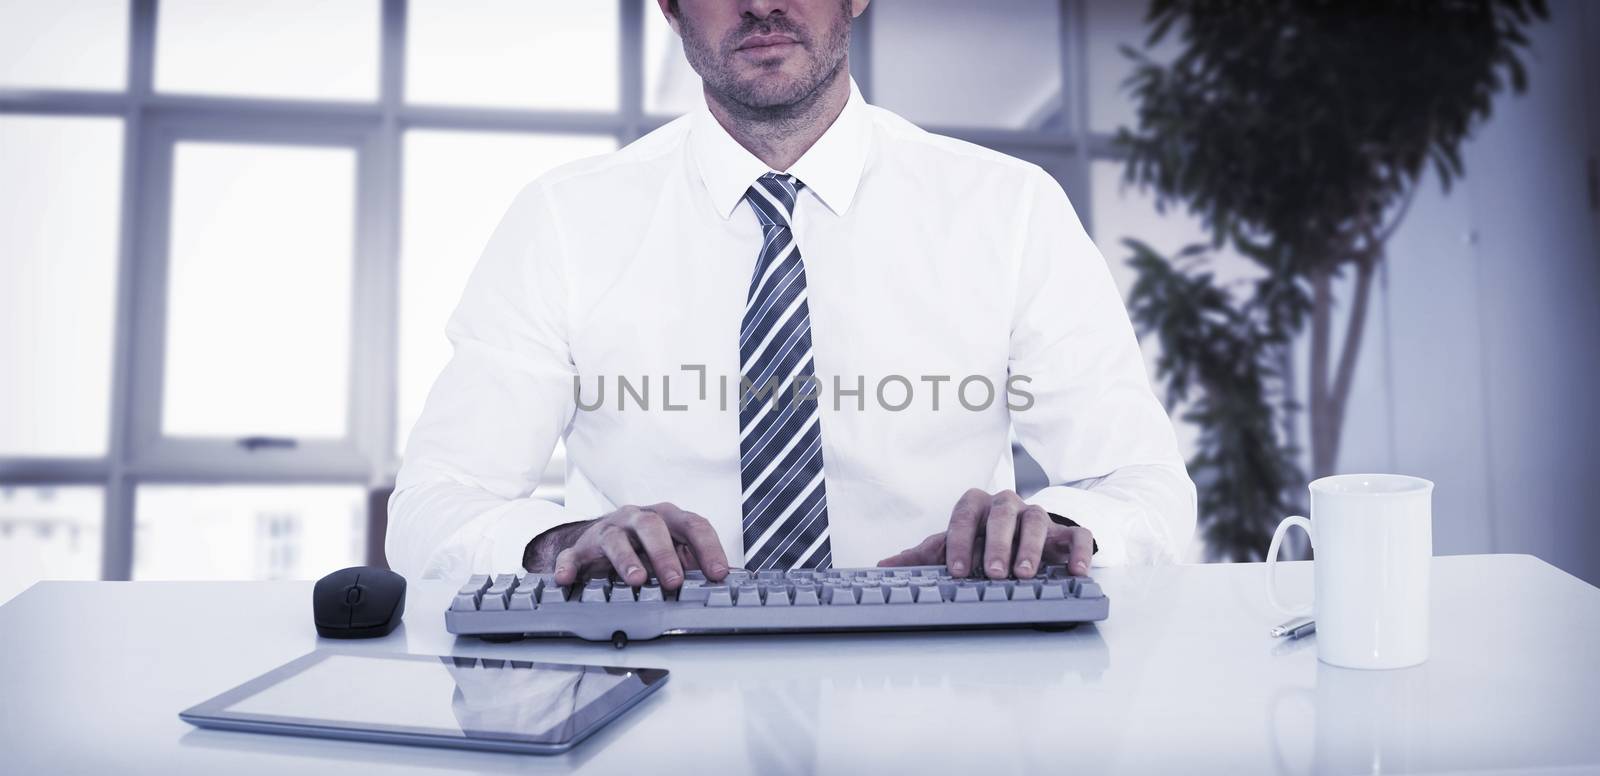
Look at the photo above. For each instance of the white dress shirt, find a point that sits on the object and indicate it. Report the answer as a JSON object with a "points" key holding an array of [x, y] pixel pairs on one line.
{"points": [[930, 262]]}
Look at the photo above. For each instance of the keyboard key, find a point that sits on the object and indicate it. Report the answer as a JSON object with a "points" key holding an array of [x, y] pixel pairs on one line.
{"points": [[718, 595], [594, 592], [805, 594], [525, 596], [1025, 591], [1089, 590], [622, 594], [900, 594], [650, 594], [841, 595], [551, 593], [693, 591], [967, 593], [1052, 591], [748, 595], [928, 594], [466, 599], [694, 574], [994, 591], [737, 577], [870, 593], [495, 598]]}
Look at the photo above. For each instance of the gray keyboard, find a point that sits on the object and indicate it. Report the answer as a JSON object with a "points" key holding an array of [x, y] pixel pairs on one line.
{"points": [[917, 597]]}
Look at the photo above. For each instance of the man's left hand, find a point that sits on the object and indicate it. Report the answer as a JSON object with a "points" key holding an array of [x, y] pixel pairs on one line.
{"points": [[1003, 534]]}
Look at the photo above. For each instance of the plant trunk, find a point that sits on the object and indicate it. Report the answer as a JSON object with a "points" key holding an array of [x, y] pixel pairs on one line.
{"points": [[1329, 396], [1319, 410]]}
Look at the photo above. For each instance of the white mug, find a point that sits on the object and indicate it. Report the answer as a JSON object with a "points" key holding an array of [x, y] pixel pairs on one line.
{"points": [[1373, 537]]}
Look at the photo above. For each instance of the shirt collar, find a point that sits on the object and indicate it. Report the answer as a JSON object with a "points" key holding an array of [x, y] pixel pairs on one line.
{"points": [[831, 167]]}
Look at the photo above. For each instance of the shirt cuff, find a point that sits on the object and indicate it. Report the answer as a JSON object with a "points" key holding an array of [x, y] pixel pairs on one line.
{"points": [[1105, 517], [508, 530]]}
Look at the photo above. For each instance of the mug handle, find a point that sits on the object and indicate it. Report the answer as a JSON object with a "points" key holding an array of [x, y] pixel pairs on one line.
{"points": [[1299, 610]]}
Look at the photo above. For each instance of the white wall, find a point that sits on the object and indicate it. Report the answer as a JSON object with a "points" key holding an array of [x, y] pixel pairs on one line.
{"points": [[1479, 370]]}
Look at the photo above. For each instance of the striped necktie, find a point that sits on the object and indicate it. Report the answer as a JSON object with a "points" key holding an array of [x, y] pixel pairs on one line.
{"points": [[780, 442]]}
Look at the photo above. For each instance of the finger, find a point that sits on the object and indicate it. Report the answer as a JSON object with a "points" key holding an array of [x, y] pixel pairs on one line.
{"points": [[926, 553], [686, 558], [1034, 526], [1000, 533], [659, 549], [618, 549], [696, 531], [964, 521], [567, 564], [1081, 551]]}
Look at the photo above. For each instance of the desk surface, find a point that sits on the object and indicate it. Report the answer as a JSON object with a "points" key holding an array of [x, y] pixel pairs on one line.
{"points": [[1181, 678]]}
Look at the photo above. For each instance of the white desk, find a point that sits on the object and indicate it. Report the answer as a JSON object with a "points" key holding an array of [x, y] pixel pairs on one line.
{"points": [[1181, 678]]}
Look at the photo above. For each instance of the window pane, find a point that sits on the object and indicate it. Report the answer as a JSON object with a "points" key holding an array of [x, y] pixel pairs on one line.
{"points": [[247, 531], [48, 532], [310, 49], [258, 294], [671, 87], [1123, 211], [457, 186], [1008, 73], [513, 54], [1110, 25], [59, 214], [82, 44]]}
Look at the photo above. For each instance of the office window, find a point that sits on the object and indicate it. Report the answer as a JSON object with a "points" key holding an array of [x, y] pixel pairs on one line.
{"points": [[1111, 24], [58, 272], [48, 532], [81, 44], [306, 49], [671, 86], [1124, 211], [247, 531], [259, 290], [513, 54], [1008, 75], [457, 187]]}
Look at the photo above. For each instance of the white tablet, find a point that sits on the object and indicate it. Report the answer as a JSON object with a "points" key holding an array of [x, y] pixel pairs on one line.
{"points": [[462, 702]]}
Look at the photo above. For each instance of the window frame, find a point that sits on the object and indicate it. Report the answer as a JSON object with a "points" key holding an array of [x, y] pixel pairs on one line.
{"points": [[153, 122], [147, 448]]}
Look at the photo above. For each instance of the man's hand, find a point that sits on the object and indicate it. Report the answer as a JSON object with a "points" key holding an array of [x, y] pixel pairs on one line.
{"points": [[659, 540], [1004, 535]]}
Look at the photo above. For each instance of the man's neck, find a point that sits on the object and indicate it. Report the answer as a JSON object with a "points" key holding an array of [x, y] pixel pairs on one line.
{"points": [[780, 136]]}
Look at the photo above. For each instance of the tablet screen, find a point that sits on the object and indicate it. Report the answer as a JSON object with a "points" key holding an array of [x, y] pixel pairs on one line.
{"points": [[441, 696]]}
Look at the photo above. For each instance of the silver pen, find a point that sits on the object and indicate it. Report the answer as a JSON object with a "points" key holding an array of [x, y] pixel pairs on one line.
{"points": [[1295, 628]]}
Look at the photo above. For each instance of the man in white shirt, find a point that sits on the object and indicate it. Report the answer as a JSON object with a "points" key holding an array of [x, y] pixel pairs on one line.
{"points": [[788, 330]]}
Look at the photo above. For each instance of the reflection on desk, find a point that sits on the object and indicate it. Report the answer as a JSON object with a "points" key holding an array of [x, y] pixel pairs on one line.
{"points": [[1182, 678]]}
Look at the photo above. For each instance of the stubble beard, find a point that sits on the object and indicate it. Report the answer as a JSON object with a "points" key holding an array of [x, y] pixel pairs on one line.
{"points": [[768, 98]]}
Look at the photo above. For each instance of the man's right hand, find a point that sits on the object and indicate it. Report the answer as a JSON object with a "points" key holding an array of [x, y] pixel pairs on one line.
{"points": [[659, 540]]}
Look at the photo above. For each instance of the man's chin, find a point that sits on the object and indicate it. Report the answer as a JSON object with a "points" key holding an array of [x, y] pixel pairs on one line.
{"points": [[770, 90]]}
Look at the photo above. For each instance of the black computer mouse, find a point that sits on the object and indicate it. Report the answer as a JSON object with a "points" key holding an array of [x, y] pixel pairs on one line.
{"points": [[360, 602]]}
